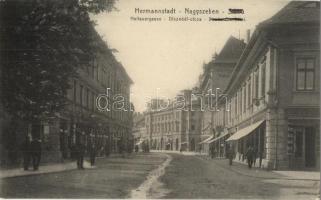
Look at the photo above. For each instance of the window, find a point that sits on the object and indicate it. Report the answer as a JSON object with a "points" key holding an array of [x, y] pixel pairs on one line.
{"points": [[193, 127], [249, 93], [298, 143], [305, 73], [81, 94], [244, 98], [263, 79], [87, 98], [256, 82], [240, 101], [75, 91], [84, 97], [235, 108]]}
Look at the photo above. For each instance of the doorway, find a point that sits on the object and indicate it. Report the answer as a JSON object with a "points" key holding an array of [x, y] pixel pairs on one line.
{"points": [[309, 147]]}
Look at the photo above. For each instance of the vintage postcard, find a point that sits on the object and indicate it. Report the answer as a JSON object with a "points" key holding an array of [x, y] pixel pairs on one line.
{"points": [[160, 99]]}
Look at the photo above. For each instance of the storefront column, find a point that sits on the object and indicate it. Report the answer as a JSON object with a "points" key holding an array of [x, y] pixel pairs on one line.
{"points": [[276, 140]]}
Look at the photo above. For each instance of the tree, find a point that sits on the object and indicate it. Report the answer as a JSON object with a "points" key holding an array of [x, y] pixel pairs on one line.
{"points": [[43, 45]]}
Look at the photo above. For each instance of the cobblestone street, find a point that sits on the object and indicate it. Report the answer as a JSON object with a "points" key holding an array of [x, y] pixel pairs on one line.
{"points": [[185, 176]]}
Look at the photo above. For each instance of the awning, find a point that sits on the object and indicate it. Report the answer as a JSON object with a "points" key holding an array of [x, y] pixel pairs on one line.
{"points": [[206, 140], [183, 143], [138, 143], [217, 138], [245, 131], [204, 129]]}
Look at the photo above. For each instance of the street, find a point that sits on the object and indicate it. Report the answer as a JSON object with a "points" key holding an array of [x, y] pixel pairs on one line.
{"points": [[185, 176]]}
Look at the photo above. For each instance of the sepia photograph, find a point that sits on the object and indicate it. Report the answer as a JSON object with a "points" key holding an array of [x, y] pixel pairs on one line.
{"points": [[160, 99]]}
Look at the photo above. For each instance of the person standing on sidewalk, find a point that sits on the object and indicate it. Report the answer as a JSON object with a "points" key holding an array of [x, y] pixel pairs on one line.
{"points": [[212, 151], [92, 154], [230, 155], [25, 148], [249, 156], [80, 151], [35, 149]]}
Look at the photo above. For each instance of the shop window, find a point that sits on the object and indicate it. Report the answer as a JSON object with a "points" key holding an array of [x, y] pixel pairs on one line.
{"points": [[298, 147]]}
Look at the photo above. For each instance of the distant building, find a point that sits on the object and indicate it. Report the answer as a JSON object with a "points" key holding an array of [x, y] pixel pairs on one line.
{"points": [[273, 96], [139, 129], [215, 78], [175, 128]]}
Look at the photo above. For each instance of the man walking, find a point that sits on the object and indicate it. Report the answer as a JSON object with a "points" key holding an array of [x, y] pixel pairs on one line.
{"points": [[92, 153], [26, 153], [249, 155], [35, 148], [212, 151], [230, 155], [80, 150]]}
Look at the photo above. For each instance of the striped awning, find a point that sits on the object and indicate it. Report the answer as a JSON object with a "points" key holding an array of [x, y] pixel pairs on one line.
{"points": [[244, 131]]}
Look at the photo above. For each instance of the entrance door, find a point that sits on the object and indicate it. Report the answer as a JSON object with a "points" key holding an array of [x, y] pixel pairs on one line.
{"points": [[192, 145], [177, 144], [309, 147]]}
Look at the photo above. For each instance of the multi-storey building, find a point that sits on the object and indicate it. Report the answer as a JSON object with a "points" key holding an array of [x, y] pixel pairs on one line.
{"points": [[176, 127], [81, 119], [273, 94], [213, 81], [82, 116], [139, 129]]}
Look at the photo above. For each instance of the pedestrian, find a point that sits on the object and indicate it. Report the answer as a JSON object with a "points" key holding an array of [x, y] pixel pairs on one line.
{"points": [[107, 150], [92, 153], [249, 156], [230, 155], [80, 151], [260, 158], [35, 149], [254, 156], [212, 151], [136, 148], [25, 148]]}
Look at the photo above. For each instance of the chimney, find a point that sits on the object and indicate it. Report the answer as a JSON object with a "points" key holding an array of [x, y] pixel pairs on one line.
{"points": [[248, 35]]}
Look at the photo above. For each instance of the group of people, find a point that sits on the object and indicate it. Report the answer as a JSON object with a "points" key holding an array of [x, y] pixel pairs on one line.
{"points": [[80, 154], [145, 147], [250, 155], [31, 150]]}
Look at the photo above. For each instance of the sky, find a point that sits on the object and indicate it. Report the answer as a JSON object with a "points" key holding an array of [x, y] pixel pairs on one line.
{"points": [[165, 57]]}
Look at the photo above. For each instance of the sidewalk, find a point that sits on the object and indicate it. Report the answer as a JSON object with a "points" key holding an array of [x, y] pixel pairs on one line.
{"points": [[43, 169], [256, 172], [186, 153], [50, 167]]}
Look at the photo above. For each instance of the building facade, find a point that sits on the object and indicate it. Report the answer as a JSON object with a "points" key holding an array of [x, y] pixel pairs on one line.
{"points": [[214, 80], [273, 94], [177, 127], [81, 119]]}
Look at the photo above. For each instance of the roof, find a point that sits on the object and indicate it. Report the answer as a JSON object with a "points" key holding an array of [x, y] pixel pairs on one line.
{"points": [[231, 51], [296, 12], [107, 52]]}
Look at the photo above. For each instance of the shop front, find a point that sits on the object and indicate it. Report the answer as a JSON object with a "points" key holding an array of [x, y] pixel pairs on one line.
{"points": [[252, 135]]}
